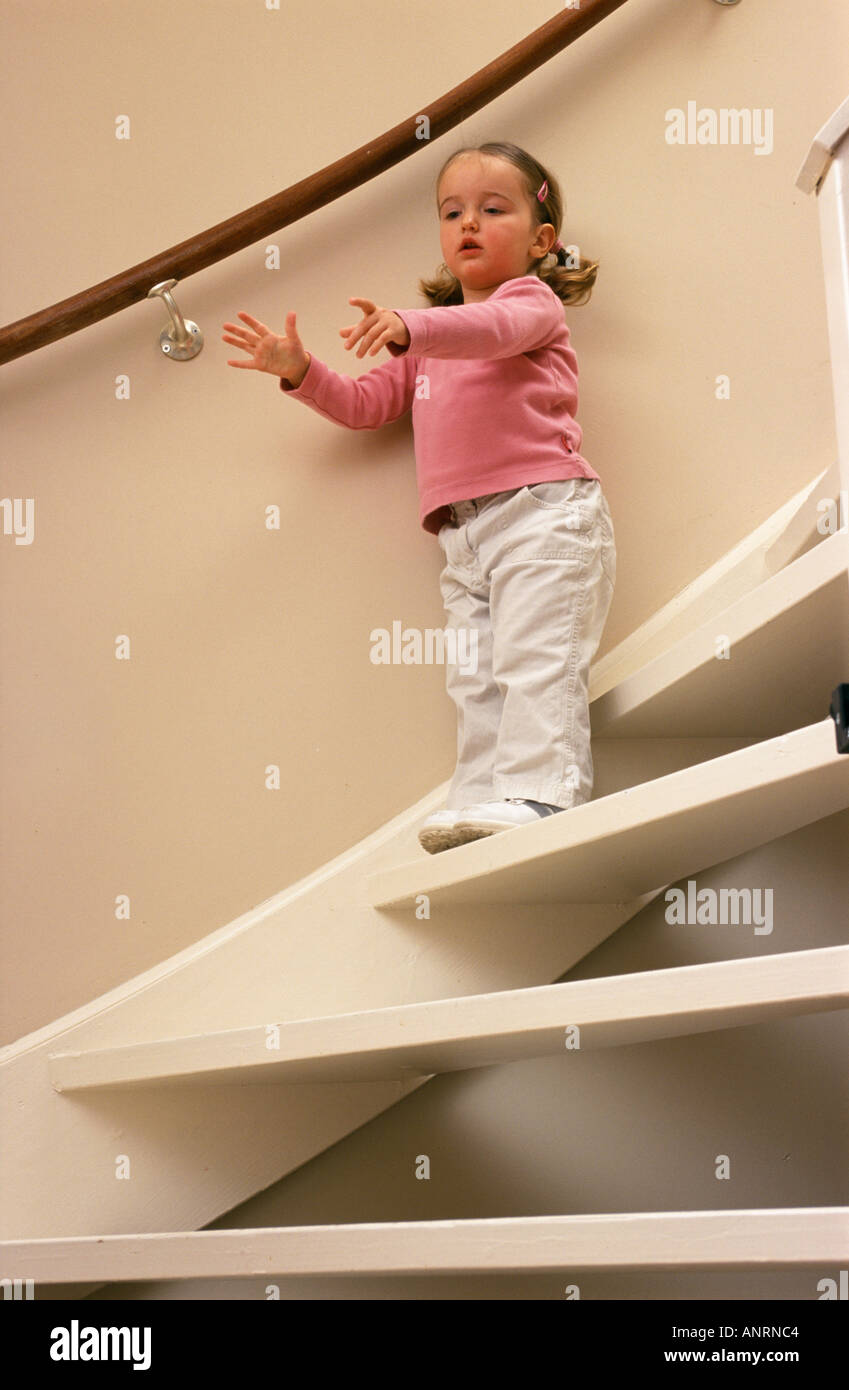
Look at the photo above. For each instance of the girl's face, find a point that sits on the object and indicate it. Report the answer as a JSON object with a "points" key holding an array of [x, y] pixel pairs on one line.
{"points": [[482, 199]]}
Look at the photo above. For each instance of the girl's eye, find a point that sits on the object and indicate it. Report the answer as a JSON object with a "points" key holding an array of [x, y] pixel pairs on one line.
{"points": [[455, 213]]}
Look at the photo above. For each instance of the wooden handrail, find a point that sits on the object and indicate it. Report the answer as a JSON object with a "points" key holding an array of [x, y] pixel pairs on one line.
{"points": [[300, 199]]}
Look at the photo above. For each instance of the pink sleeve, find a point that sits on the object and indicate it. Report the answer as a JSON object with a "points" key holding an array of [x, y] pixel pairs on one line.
{"points": [[360, 403], [522, 314]]}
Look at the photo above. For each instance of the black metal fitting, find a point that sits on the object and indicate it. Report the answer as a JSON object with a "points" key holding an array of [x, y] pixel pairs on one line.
{"points": [[839, 712]]}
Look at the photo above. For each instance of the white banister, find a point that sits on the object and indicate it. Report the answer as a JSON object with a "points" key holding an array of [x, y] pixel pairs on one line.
{"points": [[825, 172]]}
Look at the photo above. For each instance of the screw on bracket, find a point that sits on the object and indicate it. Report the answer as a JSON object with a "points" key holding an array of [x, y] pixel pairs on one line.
{"points": [[839, 711]]}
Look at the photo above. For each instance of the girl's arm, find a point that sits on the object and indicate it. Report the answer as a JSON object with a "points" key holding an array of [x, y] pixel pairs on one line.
{"points": [[360, 403], [521, 315]]}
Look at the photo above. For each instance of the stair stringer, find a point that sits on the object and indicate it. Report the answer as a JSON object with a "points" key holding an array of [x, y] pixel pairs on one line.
{"points": [[173, 1159]]}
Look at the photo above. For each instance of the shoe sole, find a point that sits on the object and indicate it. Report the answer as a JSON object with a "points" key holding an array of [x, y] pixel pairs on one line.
{"points": [[438, 838]]}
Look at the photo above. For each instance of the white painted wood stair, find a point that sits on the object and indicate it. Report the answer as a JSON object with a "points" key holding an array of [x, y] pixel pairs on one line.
{"points": [[801, 609], [357, 984], [800, 1237], [627, 843], [480, 1030]]}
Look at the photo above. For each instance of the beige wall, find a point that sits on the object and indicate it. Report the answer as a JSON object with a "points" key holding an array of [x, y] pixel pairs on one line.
{"points": [[146, 777]]}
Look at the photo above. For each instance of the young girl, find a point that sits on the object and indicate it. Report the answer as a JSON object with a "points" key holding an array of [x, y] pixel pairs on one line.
{"points": [[530, 557]]}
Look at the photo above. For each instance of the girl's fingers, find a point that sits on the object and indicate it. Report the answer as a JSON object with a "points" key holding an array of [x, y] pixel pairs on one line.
{"points": [[365, 325], [233, 343], [353, 335], [381, 342], [377, 335], [255, 323], [369, 309], [240, 340]]}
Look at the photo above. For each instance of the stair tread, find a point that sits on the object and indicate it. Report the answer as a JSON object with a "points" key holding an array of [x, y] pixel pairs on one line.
{"points": [[688, 690], [481, 1030], [619, 846], [794, 528], [750, 1238]]}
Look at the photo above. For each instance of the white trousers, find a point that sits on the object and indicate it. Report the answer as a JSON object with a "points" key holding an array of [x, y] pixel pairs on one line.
{"points": [[527, 585]]}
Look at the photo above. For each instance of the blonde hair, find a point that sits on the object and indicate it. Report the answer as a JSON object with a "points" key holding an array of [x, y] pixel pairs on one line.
{"points": [[572, 284]]}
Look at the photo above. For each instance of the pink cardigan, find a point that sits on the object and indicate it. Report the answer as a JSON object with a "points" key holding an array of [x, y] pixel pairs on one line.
{"points": [[493, 388]]}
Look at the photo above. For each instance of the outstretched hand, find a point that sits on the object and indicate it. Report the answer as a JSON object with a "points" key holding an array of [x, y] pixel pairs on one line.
{"points": [[376, 328], [280, 354]]}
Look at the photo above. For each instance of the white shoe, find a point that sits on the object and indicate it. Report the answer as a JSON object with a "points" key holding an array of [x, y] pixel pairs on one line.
{"points": [[437, 832], [488, 817]]}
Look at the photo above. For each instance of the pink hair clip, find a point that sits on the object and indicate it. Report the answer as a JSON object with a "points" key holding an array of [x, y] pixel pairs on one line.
{"points": [[543, 191]]}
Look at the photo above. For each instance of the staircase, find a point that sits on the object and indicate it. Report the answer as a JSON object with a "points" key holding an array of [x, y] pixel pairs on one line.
{"points": [[238, 1060], [132, 1123]]}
